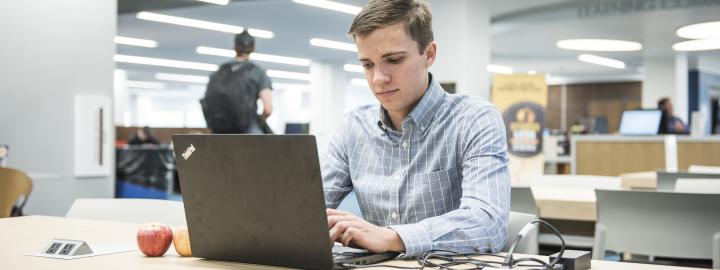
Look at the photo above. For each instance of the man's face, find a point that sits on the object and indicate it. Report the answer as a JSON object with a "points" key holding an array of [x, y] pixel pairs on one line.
{"points": [[394, 67]]}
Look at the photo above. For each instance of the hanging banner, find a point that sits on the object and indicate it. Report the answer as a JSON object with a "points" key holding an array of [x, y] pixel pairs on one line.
{"points": [[522, 99]]}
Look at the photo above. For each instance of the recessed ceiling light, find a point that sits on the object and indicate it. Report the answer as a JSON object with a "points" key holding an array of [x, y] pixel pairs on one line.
{"points": [[181, 78], [350, 9], [288, 75], [255, 56], [354, 68], [135, 42], [499, 69], [227, 28], [333, 44], [599, 45], [359, 82], [603, 61], [700, 31], [144, 85], [164, 62], [697, 45], [217, 2]]}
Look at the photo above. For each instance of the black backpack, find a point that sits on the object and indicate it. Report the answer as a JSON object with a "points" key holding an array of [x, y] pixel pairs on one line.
{"points": [[230, 102]]}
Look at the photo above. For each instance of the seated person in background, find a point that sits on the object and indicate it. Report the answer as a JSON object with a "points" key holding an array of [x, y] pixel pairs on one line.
{"points": [[670, 124], [429, 168], [143, 136]]}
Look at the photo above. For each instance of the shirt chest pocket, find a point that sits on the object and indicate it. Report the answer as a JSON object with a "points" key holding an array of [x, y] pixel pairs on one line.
{"points": [[435, 193]]}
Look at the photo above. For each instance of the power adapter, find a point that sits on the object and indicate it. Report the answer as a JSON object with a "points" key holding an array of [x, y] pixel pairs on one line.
{"points": [[573, 259]]}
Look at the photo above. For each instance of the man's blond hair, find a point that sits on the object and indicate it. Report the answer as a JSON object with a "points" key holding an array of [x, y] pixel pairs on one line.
{"points": [[414, 14]]}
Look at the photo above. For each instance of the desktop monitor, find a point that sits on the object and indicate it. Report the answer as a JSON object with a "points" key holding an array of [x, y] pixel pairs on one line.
{"points": [[640, 122]]}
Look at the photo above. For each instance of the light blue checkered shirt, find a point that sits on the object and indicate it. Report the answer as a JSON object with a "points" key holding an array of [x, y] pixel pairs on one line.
{"points": [[441, 184]]}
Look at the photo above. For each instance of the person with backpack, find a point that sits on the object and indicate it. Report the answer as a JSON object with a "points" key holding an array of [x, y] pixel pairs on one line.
{"points": [[230, 102]]}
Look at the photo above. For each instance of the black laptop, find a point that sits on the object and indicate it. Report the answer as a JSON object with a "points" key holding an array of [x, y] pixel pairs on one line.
{"points": [[259, 199]]}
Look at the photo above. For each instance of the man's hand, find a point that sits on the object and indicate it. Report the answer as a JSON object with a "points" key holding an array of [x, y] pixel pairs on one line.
{"points": [[350, 230]]}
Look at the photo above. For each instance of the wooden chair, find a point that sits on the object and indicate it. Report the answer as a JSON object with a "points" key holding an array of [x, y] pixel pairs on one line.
{"points": [[13, 185]]}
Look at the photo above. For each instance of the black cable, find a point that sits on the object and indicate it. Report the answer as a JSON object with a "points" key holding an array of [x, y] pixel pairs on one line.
{"points": [[509, 262]]}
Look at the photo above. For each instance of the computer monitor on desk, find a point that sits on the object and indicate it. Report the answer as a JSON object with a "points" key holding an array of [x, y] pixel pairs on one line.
{"points": [[640, 122]]}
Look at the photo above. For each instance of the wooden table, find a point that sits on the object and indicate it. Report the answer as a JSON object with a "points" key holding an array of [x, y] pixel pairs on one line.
{"points": [[30, 234], [565, 203]]}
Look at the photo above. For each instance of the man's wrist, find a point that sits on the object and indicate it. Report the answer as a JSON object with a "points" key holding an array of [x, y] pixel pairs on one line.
{"points": [[395, 243]]}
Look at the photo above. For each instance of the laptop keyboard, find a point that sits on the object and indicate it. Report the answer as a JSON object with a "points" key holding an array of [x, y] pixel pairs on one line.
{"points": [[342, 252]]}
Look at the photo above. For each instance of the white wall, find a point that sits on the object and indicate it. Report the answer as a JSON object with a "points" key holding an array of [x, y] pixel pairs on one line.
{"points": [[52, 51], [659, 80]]}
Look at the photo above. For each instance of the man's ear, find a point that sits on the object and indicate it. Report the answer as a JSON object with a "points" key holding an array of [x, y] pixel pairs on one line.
{"points": [[430, 53]]}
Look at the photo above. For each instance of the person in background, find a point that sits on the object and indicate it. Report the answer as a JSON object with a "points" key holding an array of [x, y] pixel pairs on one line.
{"points": [[670, 124], [143, 136], [429, 169], [230, 102]]}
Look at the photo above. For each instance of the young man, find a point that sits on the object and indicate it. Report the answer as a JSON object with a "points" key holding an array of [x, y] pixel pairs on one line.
{"points": [[429, 169], [230, 102]]}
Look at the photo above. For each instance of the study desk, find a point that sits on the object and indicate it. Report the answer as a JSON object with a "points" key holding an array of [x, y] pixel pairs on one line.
{"points": [[565, 203], [31, 233]]}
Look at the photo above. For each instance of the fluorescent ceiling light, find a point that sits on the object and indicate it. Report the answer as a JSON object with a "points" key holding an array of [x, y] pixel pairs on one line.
{"points": [[603, 61], [181, 78], [276, 85], [288, 75], [599, 45], [333, 44], [532, 72], [697, 45], [217, 2], [234, 29], [164, 62], [354, 68], [350, 9], [359, 82], [700, 31], [499, 69], [135, 42], [144, 85], [255, 56]]}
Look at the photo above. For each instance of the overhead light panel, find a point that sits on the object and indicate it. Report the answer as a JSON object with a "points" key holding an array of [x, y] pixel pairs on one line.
{"points": [[255, 56], [333, 44], [288, 75], [603, 61], [499, 69], [331, 5], [354, 68], [697, 45], [227, 28], [145, 85], [705, 30], [135, 42], [359, 82], [164, 62], [181, 78], [599, 45], [276, 85], [532, 72], [217, 2]]}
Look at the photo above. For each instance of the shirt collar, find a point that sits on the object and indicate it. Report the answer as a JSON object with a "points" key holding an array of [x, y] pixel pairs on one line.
{"points": [[423, 112]]}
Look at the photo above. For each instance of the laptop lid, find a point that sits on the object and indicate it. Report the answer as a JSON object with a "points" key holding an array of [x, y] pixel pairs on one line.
{"points": [[254, 199]]}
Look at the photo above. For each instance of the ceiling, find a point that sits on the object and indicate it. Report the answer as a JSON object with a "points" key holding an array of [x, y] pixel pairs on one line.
{"points": [[523, 36]]}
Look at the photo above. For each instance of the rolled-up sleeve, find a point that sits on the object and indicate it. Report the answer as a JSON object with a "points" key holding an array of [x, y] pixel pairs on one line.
{"points": [[480, 222]]}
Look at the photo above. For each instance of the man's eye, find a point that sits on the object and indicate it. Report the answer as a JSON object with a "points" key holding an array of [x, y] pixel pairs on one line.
{"points": [[394, 60], [367, 65]]}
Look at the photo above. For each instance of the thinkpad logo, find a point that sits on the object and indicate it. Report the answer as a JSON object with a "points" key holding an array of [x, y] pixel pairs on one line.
{"points": [[188, 152]]}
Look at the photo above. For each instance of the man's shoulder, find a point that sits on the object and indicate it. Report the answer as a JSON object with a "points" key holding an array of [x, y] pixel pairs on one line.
{"points": [[363, 113], [468, 104]]}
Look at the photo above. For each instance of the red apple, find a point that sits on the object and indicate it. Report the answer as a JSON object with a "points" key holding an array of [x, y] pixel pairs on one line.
{"points": [[154, 239], [181, 241]]}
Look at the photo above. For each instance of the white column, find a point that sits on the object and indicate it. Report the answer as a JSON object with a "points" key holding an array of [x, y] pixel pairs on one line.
{"points": [[666, 77], [120, 96], [328, 83], [462, 31]]}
